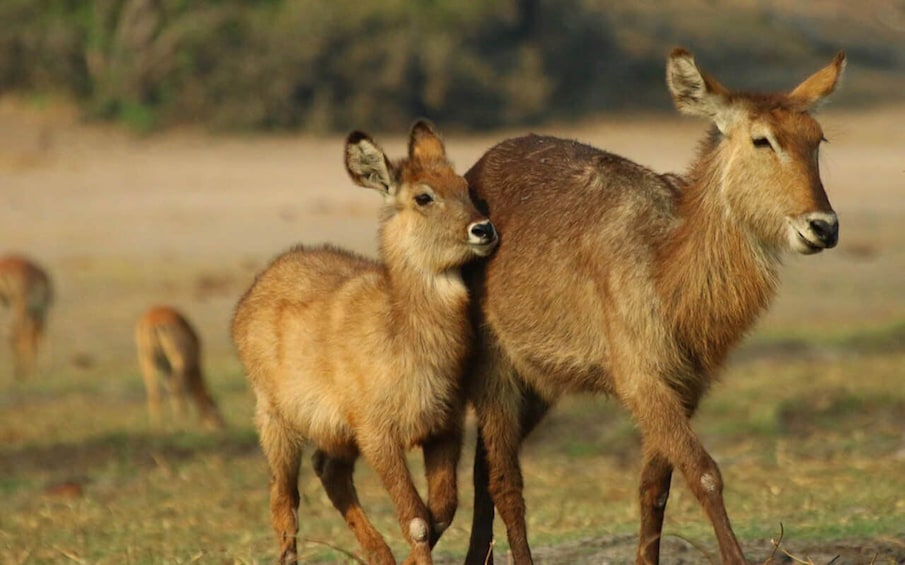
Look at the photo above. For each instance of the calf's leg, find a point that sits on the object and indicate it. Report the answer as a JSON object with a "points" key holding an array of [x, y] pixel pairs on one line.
{"points": [[283, 452], [388, 460], [336, 476], [441, 460]]}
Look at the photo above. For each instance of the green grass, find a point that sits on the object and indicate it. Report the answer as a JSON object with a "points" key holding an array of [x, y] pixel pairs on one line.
{"points": [[804, 444]]}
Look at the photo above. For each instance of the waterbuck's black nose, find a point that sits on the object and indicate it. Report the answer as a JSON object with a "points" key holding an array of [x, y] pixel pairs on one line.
{"points": [[826, 230], [484, 231]]}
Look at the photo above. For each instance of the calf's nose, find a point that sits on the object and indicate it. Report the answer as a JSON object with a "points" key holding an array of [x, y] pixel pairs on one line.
{"points": [[826, 229], [484, 231]]}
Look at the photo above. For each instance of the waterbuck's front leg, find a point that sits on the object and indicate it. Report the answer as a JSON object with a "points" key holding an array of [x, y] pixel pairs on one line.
{"points": [[335, 475], [441, 460], [668, 439], [656, 475], [388, 461]]}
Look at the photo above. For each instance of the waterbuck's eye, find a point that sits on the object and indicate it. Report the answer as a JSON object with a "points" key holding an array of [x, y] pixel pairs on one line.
{"points": [[423, 199], [761, 142]]}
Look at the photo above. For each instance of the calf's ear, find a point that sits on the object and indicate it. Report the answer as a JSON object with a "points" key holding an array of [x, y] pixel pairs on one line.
{"points": [[367, 164], [424, 143]]}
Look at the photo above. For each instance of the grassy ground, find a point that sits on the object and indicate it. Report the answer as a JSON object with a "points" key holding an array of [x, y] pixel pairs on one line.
{"points": [[807, 444]]}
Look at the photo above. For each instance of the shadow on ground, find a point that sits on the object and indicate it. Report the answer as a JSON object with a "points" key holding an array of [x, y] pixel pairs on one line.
{"points": [[139, 450]]}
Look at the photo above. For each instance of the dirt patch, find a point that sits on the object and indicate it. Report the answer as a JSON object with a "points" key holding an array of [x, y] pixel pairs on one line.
{"points": [[620, 550]]}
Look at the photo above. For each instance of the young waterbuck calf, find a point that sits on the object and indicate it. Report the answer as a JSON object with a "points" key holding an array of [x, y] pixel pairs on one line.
{"points": [[26, 290], [170, 350], [365, 358], [614, 279]]}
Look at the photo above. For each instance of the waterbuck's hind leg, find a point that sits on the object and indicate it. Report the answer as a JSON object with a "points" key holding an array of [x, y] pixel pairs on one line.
{"points": [[210, 415], [149, 375], [336, 477], [26, 333], [480, 549], [177, 377], [284, 453], [498, 475]]}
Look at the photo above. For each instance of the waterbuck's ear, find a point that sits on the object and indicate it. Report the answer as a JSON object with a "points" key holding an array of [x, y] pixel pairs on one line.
{"points": [[820, 84], [694, 92], [424, 143], [367, 164]]}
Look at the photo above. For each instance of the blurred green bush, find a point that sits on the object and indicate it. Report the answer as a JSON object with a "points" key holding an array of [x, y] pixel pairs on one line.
{"points": [[324, 65]]}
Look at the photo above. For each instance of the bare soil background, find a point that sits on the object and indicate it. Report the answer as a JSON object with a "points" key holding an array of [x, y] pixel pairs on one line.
{"points": [[183, 216], [123, 222]]}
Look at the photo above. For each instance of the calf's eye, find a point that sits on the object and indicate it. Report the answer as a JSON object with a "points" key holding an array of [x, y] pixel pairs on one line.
{"points": [[761, 142]]}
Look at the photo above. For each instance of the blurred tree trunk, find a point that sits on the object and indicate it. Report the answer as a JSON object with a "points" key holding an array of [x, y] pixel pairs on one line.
{"points": [[134, 56], [125, 66], [526, 27]]}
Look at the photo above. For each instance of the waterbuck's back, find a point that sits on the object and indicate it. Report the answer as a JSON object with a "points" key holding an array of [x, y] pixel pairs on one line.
{"points": [[577, 254], [301, 296], [25, 285], [168, 340]]}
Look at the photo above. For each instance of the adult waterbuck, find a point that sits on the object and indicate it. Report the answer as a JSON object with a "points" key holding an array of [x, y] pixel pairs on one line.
{"points": [[26, 290], [360, 357], [169, 350], [611, 278]]}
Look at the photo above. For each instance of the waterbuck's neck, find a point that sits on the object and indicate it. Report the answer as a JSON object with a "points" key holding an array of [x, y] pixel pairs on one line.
{"points": [[715, 276], [428, 311]]}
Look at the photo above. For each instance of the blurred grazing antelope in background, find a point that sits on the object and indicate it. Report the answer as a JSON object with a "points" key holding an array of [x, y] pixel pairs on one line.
{"points": [[169, 349], [614, 279], [26, 290], [366, 358]]}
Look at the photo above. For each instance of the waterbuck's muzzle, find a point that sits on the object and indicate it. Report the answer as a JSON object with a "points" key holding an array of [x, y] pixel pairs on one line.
{"points": [[482, 237], [814, 232]]}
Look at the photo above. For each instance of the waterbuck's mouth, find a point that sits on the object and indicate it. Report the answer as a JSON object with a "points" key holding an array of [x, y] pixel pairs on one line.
{"points": [[813, 232], [809, 247], [483, 249]]}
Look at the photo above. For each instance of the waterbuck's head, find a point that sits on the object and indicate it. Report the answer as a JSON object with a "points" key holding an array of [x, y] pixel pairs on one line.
{"points": [[428, 219], [764, 153]]}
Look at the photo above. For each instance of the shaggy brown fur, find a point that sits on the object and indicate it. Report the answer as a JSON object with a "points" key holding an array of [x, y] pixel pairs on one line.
{"points": [[169, 349], [26, 290], [366, 358], [611, 278]]}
